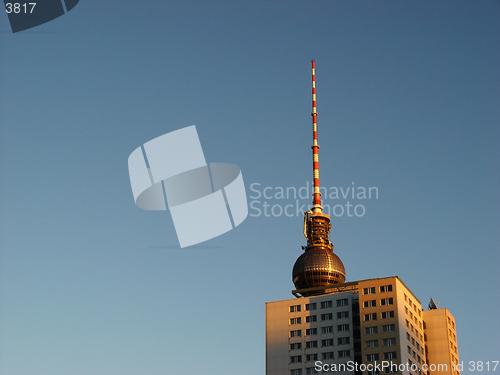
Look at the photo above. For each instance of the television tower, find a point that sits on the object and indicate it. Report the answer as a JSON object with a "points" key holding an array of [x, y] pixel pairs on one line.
{"points": [[318, 266]]}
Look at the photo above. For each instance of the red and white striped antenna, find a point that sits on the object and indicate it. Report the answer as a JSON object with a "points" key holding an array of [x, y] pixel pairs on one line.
{"points": [[316, 208]]}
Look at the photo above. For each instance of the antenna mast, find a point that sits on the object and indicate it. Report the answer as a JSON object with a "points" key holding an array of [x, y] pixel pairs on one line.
{"points": [[316, 223], [316, 208]]}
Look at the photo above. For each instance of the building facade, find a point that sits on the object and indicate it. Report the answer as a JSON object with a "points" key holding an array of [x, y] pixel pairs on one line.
{"points": [[441, 340], [364, 327]]}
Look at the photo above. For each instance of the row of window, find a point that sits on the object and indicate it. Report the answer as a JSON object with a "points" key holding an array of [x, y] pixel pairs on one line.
{"points": [[323, 305], [327, 355], [314, 331], [414, 343], [383, 302], [385, 342], [451, 334], [383, 289], [413, 317], [410, 302], [419, 371], [412, 353], [376, 356], [385, 328], [387, 370], [383, 315], [453, 347], [327, 342], [323, 317], [415, 331]]}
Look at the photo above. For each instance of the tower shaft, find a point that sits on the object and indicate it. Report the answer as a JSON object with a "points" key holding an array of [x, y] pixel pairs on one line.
{"points": [[316, 208]]}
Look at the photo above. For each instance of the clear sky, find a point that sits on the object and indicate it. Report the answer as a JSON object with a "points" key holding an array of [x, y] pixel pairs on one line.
{"points": [[408, 102]]}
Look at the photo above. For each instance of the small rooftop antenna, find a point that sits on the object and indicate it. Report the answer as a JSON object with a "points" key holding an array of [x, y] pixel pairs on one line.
{"points": [[433, 305]]}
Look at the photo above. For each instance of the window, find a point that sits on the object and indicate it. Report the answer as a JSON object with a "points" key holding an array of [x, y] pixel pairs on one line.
{"points": [[328, 329], [295, 358], [326, 304], [372, 344], [372, 303], [389, 342], [370, 317], [342, 314], [343, 340], [311, 331], [342, 302], [311, 318], [408, 336], [373, 372], [390, 355], [418, 359], [294, 308], [369, 290], [407, 323], [386, 288], [311, 344], [408, 348], [327, 342], [327, 355], [389, 328], [328, 316], [387, 314], [344, 353], [297, 371], [296, 345], [311, 306], [342, 327], [311, 370], [311, 357], [372, 357], [370, 330], [387, 301], [391, 369], [295, 321], [296, 333]]}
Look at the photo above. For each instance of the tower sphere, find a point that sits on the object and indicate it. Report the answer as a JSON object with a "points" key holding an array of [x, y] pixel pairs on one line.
{"points": [[318, 266]]}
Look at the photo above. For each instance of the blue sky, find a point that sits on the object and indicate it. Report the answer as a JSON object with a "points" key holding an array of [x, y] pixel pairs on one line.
{"points": [[408, 95]]}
